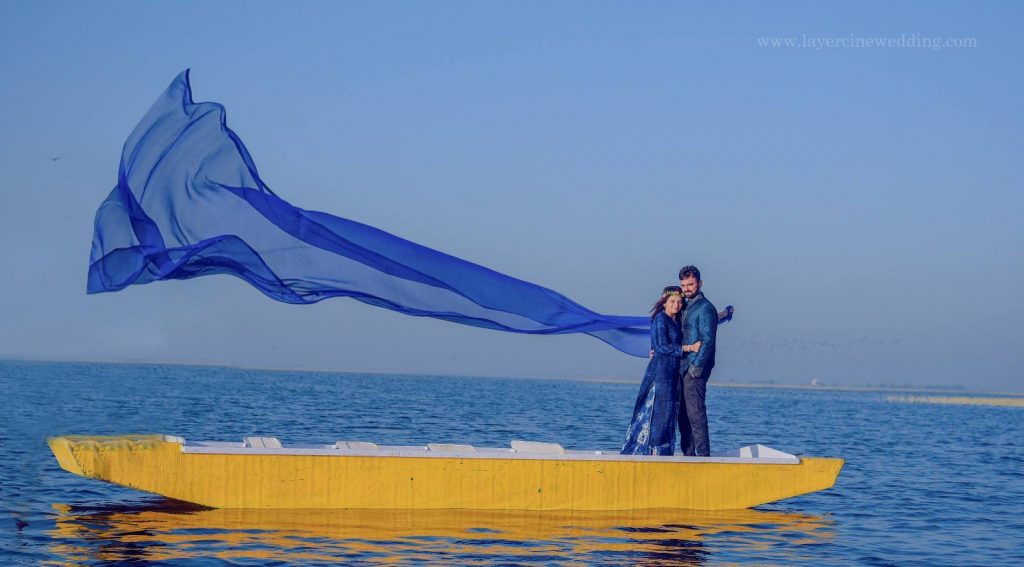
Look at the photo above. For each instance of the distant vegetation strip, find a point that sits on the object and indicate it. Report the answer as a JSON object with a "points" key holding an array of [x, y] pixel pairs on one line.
{"points": [[873, 388], [960, 400]]}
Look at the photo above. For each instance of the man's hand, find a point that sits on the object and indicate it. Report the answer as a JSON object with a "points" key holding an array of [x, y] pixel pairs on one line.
{"points": [[695, 347], [651, 355]]}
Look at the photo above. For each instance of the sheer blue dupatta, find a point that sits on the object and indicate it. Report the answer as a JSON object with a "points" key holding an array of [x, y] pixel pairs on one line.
{"points": [[189, 202]]}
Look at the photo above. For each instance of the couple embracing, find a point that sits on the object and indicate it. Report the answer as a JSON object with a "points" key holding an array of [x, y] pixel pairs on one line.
{"points": [[683, 329]]}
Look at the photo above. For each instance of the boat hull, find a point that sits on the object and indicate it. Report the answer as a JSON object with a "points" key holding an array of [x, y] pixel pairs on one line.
{"points": [[152, 464]]}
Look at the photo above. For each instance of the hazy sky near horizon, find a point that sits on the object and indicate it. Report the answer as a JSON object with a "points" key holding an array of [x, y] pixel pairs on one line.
{"points": [[860, 206]]}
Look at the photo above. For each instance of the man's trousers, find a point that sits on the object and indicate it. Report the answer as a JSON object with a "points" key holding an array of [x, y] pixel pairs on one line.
{"points": [[693, 415]]}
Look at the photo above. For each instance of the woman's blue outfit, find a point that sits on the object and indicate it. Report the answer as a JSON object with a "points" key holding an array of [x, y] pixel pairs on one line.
{"points": [[653, 428]]}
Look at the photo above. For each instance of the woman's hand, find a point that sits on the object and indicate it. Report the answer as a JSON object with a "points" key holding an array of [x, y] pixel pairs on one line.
{"points": [[695, 347]]}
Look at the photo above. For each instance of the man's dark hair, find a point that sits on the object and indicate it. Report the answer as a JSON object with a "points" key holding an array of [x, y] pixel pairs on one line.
{"points": [[687, 271]]}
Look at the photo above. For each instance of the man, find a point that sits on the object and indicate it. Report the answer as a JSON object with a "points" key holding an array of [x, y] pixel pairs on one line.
{"points": [[700, 324]]}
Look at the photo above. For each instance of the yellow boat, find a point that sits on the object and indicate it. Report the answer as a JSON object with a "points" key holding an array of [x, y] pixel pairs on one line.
{"points": [[260, 472]]}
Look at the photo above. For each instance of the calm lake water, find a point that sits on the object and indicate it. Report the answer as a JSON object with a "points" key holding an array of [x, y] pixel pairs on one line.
{"points": [[923, 484]]}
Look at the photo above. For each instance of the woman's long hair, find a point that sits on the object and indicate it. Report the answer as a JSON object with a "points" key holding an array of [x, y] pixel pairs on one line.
{"points": [[666, 293]]}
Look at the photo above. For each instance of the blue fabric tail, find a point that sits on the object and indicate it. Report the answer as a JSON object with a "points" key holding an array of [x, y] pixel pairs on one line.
{"points": [[189, 202]]}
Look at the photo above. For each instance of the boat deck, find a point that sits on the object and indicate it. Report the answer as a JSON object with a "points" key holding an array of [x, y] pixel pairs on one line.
{"points": [[752, 454]]}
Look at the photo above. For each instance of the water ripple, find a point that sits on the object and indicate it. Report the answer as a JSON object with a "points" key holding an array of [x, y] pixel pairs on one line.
{"points": [[926, 484]]}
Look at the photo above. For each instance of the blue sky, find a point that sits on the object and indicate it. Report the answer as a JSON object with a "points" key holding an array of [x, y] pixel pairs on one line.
{"points": [[860, 206]]}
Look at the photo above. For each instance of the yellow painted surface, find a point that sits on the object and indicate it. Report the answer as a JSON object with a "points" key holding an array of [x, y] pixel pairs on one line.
{"points": [[148, 463]]}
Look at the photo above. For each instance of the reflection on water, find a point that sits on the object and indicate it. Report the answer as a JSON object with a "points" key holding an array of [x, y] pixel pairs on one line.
{"points": [[912, 484], [166, 530]]}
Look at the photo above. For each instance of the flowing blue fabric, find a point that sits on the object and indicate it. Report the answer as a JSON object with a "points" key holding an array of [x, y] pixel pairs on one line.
{"points": [[189, 202]]}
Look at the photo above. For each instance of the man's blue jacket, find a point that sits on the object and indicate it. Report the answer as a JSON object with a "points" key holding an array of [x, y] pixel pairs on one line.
{"points": [[700, 323]]}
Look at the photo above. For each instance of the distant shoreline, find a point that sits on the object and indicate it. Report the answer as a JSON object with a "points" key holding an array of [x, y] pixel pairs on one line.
{"points": [[1002, 401], [712, 383], [827, 388], [950, 392]]}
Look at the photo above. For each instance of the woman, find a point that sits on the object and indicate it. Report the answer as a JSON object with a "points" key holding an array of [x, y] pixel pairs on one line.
{"points": [[653, 428]]}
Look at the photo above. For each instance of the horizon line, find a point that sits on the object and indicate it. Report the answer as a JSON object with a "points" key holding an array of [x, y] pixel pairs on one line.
{"points": [[956, 388]]}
